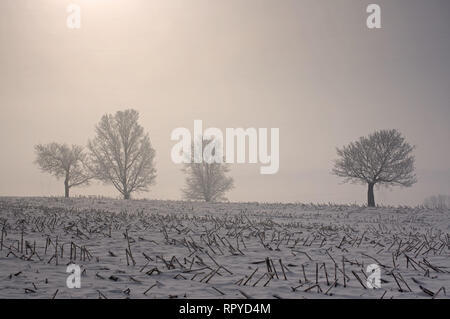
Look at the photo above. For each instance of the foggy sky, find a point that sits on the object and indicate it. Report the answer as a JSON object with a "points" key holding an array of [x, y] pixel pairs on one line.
{"points": [[310, 68]]}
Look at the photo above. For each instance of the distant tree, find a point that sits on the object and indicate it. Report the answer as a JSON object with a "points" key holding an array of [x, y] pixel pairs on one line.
{"points": [[206, 180], [63, 161], [437, 202], [121, 153], [383, 158]]}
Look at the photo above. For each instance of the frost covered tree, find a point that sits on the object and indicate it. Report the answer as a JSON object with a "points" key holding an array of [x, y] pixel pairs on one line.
{"points": [[121, 153], [382, 158], [63, 161], [206, 180]]}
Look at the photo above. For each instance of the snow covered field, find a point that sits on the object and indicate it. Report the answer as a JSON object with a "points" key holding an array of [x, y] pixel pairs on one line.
{"points": [[167, 249]]}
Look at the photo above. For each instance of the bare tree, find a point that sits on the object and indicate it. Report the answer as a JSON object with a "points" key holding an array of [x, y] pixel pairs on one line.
{"points": [[206, 180], [121, 153], [383, 158], [65, 162]]}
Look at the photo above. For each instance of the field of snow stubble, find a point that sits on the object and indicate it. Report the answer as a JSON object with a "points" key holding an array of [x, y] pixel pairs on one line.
{"points": [[169, 249]]}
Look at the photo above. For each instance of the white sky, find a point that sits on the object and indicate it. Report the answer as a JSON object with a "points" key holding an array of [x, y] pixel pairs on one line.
{"points": [[310, 68]]}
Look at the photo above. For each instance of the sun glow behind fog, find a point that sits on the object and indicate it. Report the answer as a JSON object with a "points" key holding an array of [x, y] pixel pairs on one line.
{"points": [[112, 16], [105, 6], [123, 5], [92, 10]]}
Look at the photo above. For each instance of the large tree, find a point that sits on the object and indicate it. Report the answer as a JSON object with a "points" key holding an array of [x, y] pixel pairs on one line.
{"points": [[121, 153], [63, 161], [206, 180], [382, 158]]}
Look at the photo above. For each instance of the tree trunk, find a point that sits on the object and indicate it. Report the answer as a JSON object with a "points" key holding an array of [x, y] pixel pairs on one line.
{"points": [[66, 184], [126, 196], [66, 189], [370, 195]]}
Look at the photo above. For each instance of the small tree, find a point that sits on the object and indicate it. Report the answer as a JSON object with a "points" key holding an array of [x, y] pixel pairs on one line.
{"points": [[63, 161], [383, 158], [437, 202], [121, 153], [206, 180]]}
